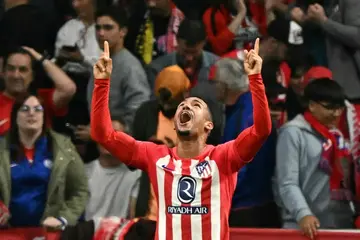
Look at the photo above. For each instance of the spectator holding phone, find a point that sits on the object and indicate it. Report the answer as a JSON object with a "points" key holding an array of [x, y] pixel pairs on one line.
{"points": [[76, 44], [42, 177]]}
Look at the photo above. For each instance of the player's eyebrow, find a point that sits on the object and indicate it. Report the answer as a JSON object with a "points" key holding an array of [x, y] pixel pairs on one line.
{"points": [[198, 101]]}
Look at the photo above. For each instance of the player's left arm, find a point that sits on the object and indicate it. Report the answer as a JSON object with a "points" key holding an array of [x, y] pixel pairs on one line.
{"points": [[248, 143]]}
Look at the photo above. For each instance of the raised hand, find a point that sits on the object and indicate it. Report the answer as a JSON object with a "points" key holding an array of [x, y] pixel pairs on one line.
{"points": [[103, 67], [33, 52], [252, 61], [241, 7]]}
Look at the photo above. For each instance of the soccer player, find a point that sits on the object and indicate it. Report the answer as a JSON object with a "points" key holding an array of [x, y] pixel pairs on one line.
{"points": [[193, 182]]}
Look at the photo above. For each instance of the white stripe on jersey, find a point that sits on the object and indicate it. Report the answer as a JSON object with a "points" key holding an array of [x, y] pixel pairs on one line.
{"points": [[215, 201], [176, 218], [160, 174], [196, 223]]}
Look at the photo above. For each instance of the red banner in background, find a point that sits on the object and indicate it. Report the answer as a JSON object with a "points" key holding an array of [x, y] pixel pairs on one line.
{"points": [[282, 234], [235, 234]]}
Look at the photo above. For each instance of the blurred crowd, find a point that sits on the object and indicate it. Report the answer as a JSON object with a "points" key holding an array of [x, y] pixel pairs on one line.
{"points": [[307, 174]]}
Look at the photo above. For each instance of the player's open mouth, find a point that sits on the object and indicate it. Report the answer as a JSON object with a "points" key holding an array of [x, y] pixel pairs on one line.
{"points": [[185, 116]]}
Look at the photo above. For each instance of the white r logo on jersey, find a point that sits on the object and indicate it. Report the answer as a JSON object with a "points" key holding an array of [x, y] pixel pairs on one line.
{"points": [[186, 189]]}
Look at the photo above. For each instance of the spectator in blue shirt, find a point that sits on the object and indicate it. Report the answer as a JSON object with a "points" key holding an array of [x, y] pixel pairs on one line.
{"points": [[42, 177]]}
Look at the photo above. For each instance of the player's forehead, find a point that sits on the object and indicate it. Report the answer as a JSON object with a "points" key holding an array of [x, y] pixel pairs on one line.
{"points": [[193, 100]]}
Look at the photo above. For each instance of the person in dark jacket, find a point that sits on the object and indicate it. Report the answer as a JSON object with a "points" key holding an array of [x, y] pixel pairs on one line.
{"points": [[252, 203]]}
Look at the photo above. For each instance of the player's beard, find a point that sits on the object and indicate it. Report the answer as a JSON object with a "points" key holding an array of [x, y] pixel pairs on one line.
{"points": [[184, 133]]}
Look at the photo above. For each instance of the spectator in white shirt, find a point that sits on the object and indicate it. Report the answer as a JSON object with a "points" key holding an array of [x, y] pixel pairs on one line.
{"points": [[76, 40]]}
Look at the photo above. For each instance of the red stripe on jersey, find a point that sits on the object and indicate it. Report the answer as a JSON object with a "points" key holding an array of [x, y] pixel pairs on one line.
{"points": [[206, 202]]}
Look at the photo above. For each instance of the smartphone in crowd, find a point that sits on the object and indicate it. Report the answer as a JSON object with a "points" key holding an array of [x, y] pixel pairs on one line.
{"points": [[70, 126], [70, 48]]}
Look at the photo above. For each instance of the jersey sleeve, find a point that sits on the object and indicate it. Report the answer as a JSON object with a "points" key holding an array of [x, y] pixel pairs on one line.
{"points": [[244, 148], [129, 151], [47, 96]]}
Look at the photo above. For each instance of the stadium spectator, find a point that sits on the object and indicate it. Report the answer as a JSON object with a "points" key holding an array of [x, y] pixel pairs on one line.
{"points": [[42, 177], [152, 29], [314, 181], [252, 203], [225, 20], [275, 91], [129, 84], [76, 46], [113, 187], [294, 96], [189, 54], [19, 76], [340, 25]]}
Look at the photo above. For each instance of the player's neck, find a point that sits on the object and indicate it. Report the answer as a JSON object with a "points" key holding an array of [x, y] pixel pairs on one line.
{"points": [[190, 148]]}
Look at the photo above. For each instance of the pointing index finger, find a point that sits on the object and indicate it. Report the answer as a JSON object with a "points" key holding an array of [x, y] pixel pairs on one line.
{"points": [[257, 46], [106, 49]]}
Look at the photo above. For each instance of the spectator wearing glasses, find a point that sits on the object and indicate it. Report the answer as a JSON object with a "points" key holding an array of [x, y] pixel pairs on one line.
{"points": [[42, 177], [314, 169], [129, 85]]}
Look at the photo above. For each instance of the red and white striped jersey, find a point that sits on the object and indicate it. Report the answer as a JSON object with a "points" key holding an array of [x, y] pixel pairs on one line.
{"points": [[194, 195]]}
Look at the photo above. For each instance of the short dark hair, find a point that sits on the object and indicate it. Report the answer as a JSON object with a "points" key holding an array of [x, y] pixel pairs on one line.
{"points": [[299, 60], [18, 50], [117, 14], [269, 72], [192, 32], [325, 90]]}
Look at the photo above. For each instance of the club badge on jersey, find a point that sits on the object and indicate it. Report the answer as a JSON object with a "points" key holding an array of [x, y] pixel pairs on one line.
{"points": [[203, 169]]}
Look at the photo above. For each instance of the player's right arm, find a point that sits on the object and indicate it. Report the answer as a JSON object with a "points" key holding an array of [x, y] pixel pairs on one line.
{"points": [[119, 144]]}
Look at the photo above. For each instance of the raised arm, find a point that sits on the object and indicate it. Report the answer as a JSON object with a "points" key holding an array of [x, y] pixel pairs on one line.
{"points": [[121, 145], [65, 88], [248, 143]]}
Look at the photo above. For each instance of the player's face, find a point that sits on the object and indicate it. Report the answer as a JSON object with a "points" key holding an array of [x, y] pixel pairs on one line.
{"points": [[192, 118]]}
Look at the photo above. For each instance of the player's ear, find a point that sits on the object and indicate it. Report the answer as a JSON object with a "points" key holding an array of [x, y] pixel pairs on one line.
{"points": [[123, 32], [209, 126]]}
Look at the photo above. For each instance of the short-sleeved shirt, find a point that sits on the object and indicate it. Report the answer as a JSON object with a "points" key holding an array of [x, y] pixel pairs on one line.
{"points": [[46, 96]]}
